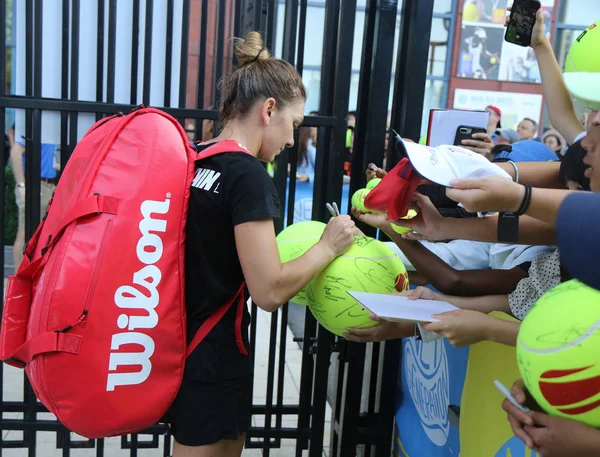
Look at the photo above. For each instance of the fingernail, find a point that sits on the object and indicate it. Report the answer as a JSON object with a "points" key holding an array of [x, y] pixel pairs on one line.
{"points": [[454, 182], [519, 397]]}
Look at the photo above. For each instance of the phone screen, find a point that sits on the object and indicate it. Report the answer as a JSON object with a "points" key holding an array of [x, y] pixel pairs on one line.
{"points": [[522, 20]]}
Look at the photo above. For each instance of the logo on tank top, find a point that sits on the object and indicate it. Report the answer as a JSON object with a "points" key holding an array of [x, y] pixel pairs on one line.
{"points": [[141, 297]]}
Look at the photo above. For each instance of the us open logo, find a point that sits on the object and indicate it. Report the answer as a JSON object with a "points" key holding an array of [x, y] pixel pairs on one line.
{"points": [[429, 386]]}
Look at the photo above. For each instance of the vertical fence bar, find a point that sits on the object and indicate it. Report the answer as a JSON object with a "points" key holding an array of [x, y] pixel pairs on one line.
{"points": [[148, 52], [135, 51], [341, 94], [364, 87], [258, 16], [411, 70], [64, 85], [270, 26], [112, 51], [99, 53], [2, 177], [388, 387], [201, 78], [270, 383], [237, 21], [74, 72], [220, 42], [322, 165], [301, 36], [185, 38], [168, 54]]}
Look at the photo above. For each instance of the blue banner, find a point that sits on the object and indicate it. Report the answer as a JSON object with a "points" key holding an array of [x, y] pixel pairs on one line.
{"points": [[432, 378]]}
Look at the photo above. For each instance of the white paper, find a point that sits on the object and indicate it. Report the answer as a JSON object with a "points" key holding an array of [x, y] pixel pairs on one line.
{"points": [[445, 122], [400, 309]]}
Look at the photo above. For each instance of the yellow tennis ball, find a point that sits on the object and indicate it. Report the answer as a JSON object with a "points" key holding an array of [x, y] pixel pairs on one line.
{"points": [[583, 55], [294, 241], [558, 355], [402, 230], [582, 68], [493, 60], [368, 266], [373, 182], [358, 200]]}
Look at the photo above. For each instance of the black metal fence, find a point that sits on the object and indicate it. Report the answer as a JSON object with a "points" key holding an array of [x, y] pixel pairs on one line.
{"points": [[366, 375]]}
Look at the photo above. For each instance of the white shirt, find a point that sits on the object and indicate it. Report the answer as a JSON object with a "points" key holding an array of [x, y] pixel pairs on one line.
{"points": [[476, 255]]}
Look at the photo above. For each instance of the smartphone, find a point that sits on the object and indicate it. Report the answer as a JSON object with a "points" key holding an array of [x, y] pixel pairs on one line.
{"points": [[465, 132], [502, 388], [521, 22]]}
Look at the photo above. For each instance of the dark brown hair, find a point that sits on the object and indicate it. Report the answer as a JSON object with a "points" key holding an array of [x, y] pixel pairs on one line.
{"points": [[257, 78]]}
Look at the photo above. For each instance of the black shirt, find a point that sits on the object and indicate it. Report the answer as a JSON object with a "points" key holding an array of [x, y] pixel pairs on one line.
{"points": [[228, 189]]}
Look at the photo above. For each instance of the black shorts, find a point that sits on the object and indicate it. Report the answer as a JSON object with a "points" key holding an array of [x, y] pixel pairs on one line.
{"points": [[205, 413]]}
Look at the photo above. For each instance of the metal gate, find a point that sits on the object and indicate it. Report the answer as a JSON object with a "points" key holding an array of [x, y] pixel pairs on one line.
{"points": [[178, 35]]}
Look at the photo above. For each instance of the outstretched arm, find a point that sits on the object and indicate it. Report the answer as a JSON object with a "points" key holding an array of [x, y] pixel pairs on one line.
{"points": [[438, 273]]}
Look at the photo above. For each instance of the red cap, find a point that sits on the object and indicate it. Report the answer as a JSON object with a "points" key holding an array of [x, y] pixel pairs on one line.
{"points": [[496, 109]]}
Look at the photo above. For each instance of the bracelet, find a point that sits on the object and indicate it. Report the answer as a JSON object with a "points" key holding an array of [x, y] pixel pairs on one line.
{"points": [[516, 170], [525, 202]]}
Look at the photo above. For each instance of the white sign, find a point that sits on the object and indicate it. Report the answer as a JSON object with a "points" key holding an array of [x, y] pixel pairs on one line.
{"points": [[514, 106]]}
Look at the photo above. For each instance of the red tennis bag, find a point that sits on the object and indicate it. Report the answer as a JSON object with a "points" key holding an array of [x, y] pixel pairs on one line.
{"points": [[96, 311]]}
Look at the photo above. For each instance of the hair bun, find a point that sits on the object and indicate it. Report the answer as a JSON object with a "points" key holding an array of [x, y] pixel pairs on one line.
{"points": [[251, 49]]}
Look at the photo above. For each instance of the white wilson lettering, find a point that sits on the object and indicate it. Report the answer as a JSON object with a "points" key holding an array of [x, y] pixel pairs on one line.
{"points": [[143, 295]]}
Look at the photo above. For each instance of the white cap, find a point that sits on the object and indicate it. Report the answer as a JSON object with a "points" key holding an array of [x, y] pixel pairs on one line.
{"points": [[444, 163]]}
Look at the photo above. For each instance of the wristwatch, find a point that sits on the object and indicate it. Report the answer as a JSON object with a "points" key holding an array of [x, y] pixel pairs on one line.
{"points": [[20, 184]]}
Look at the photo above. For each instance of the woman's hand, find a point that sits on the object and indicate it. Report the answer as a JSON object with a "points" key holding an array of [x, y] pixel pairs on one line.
{"points": [[373, 171], [428, 223], [461, 327], [517, 418], [538, 35], [558, 437], [376, 220], [339, 234], [423, 293], [386, 330], [481, 144], [492, 194], [302, 177]]}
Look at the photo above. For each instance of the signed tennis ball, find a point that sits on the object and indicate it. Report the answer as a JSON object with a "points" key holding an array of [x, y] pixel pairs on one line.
{"points": [[557, 352], [294, 241], [358, 200], [402, 230], [368, 266], [373, 182]]}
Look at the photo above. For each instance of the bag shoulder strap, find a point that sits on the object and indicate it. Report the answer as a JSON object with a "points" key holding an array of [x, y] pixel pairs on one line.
{"points": [[213, 320], [220, 148]]}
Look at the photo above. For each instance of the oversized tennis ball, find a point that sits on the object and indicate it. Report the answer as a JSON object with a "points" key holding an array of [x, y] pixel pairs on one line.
{"points": [[368, 266], [294, 241], [373, 182], [558, 352], [402, 230], [583, 55], [358, 200], [582, 67]]}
